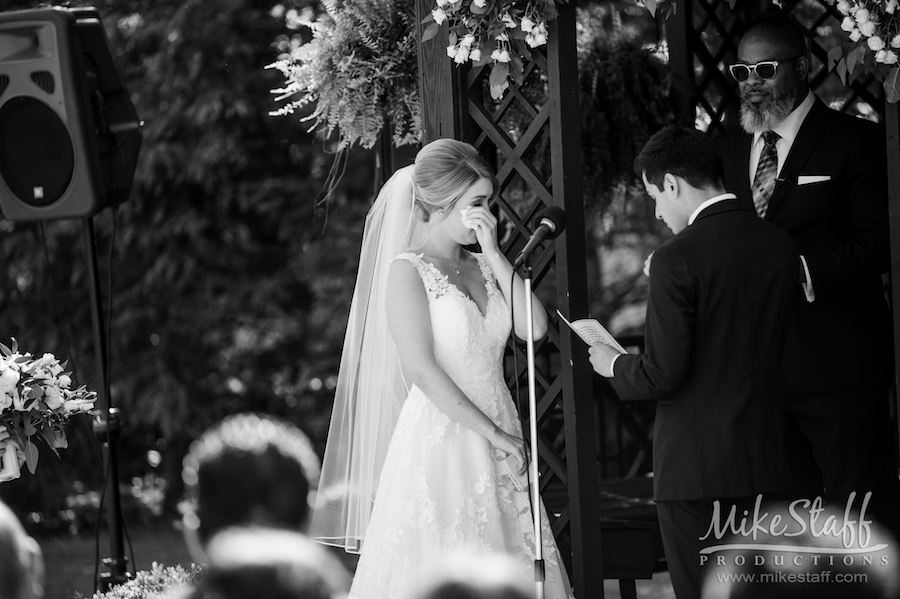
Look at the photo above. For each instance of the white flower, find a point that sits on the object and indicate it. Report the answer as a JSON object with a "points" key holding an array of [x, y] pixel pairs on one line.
{"points": [[867, 28], [452, 50], [500, 55], [855, 35], [844, 7], [890, 57], [64, 381], [439, 15], [462, 56], [875, 43], [895, 43], [535, 39], [479, 3], [862, 16], [18, 401], [526, 25], [9, 378], [848, 24], [509, 21], [5, 400], [53, 398], [475, 55], [890, 7], [442, 3], [467, 41]]}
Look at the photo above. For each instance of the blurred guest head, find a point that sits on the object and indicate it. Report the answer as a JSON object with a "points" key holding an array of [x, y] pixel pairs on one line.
{"points": [[21, 561], [476, 576], [248, 469], [254, 562]]}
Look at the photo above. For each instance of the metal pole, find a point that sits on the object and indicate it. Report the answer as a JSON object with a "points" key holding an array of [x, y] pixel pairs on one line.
{"points": [[539, 574], [107, 424]]}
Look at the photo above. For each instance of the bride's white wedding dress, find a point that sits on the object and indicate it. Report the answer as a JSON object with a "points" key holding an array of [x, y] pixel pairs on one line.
{"points": [[442, 488]]}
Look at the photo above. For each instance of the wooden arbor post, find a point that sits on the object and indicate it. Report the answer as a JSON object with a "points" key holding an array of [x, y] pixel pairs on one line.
{"points": [[892, 123], [533, 137]]}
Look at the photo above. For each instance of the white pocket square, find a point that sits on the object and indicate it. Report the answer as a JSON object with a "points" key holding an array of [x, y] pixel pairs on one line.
{"points": [[807, 179]]}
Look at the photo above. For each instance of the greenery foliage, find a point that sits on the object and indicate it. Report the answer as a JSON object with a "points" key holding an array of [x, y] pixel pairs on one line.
{"points": [[627, 94], [358, 70], [158, 581]]}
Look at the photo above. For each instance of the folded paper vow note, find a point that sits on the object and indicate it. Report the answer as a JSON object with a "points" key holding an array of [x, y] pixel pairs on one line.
{"points": [[592, 332]]}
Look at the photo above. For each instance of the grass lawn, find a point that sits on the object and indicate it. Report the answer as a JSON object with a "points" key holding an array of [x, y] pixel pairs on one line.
{"points": [[70, 561]]}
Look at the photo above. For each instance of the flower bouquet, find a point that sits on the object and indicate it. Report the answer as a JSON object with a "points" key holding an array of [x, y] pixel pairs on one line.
{"points": [[36, 398]]}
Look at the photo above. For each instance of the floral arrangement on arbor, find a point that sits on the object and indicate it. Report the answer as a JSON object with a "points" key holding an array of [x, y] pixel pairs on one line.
{"points": [[499, 32], [36, 399], [874, 44], [358, 70]]}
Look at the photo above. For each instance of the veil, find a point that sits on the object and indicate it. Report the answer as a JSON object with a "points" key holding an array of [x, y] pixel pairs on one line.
{"points": [[370, 389]]}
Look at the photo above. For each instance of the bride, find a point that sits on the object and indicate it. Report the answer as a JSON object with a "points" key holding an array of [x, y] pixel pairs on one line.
{"points": [[414, 464]]}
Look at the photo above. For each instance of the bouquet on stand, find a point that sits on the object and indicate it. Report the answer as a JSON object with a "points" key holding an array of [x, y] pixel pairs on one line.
{"points": [[36, 399]]}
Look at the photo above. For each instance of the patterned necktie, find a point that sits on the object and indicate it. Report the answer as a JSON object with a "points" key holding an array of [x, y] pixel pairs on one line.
{"points": [[764, 181]]}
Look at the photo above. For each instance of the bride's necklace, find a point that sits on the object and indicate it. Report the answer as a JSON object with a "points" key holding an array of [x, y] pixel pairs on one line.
{"points": [[450, 264]]}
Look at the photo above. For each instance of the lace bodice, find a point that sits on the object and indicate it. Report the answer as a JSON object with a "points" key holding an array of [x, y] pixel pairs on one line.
{"points": [[468, 345]]}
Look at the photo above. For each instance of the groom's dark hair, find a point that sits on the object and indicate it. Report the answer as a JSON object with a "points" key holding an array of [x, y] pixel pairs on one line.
{"points": [[683, 152]]}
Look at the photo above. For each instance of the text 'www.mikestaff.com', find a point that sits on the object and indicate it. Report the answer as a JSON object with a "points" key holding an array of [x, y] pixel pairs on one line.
{"points": [[793, 577]]}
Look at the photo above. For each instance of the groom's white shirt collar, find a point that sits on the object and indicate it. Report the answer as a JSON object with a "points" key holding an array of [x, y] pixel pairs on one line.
{"points": [[708, 203]]}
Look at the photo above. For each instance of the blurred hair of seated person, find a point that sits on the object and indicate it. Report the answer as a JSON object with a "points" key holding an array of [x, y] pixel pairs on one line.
{"points": [[475, 575], [248, 469], [804, 550], [256, 562], [21, 561]]}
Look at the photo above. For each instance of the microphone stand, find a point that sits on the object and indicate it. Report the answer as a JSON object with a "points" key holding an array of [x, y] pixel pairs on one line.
{"points": [[539, 573]]}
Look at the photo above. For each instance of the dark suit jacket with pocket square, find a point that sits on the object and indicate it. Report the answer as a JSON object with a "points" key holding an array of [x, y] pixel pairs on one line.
{"points": [[832, 198]]}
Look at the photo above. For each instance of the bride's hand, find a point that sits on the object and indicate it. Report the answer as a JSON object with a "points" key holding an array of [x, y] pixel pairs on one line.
{"points": [[512, 445], [485, 226]]}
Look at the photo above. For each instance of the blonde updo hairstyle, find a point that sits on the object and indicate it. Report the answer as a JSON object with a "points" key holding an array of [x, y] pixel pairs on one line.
{"points": [[444, 170]]}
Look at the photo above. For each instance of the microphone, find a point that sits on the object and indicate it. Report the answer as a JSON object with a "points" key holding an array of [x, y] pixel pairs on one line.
{"points": [[551, 222]]}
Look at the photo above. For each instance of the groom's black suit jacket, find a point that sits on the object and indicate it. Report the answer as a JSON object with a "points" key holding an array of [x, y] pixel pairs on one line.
{"points": [[843, 339], [721, 296]]}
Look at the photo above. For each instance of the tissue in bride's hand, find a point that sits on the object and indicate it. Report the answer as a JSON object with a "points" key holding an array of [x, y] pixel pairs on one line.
{"points": [[468, 222]]}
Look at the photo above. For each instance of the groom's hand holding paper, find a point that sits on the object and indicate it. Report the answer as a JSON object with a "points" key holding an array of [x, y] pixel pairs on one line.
{"points": [[603, 347]]}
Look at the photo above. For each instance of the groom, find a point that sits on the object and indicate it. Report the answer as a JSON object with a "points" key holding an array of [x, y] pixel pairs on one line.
{"points": [[721, 296]]}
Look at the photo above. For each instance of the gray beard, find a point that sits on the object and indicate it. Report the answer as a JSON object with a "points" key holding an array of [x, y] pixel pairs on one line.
{"points": [[754, 120]]}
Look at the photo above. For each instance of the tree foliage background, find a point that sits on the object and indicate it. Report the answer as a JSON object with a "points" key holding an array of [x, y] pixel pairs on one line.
{"points": [[225, 287], [226, 284]]}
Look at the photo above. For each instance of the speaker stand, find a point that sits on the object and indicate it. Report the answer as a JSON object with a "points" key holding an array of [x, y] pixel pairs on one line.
{"points": [[107, 424]]}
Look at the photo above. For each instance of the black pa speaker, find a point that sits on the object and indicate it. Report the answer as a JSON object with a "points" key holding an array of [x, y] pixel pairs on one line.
{"points": [[69, 134]]}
